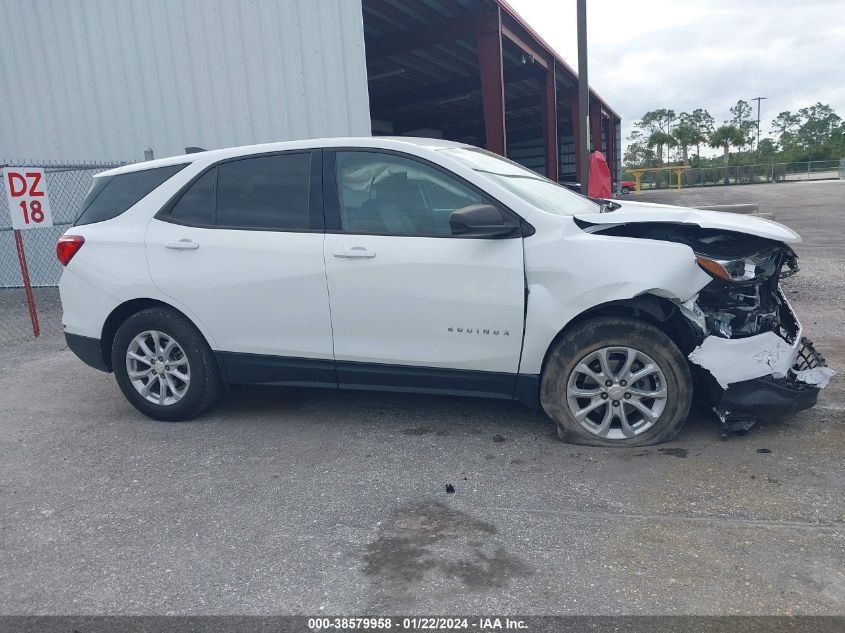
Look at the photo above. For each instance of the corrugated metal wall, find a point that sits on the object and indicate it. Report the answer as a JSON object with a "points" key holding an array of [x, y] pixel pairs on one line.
{"points": [[105, 79]]}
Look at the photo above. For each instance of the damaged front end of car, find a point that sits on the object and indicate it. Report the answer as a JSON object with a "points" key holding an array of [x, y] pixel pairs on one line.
{"points": [[751, 350]]}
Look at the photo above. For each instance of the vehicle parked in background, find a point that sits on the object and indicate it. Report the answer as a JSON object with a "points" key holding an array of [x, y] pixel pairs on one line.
{"points": [[627, 186], [429, 266]]}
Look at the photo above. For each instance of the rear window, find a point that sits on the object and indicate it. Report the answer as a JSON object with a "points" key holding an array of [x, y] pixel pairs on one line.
{"points": [[112, 195]]}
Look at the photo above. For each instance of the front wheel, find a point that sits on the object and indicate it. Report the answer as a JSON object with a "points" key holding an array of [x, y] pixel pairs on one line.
{"points": [[626, 190], [164, 366], [614, 381]]}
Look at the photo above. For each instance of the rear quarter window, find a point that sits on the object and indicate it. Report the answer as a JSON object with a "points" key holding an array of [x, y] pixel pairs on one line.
{"points": [[112, 195]]}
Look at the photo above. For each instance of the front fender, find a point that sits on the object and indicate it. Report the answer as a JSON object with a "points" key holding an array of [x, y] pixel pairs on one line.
{"points": [[570, 275]]}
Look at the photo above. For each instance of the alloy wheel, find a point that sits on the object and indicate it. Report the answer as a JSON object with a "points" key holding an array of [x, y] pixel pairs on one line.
{"points": [[158, 367], [616, 392]]}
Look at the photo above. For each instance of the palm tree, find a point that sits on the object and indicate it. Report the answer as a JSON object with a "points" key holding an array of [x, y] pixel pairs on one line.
{"points": [[725, 137], [658, 139], [687, 135]]}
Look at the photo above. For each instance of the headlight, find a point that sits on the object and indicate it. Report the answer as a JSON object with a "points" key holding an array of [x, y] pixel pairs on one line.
{"points": [[756, 266]]}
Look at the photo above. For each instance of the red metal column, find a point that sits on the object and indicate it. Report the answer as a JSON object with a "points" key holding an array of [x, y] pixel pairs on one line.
{"points": [[576, 131], [595, 127], [488, 36], [611, 148], [610, 144], [550, 124]]}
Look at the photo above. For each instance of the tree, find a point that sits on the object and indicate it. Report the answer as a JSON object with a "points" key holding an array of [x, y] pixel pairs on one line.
{"points": [[686, 134], [638, 154], [654, 126], [818, 123], [836, 144], [767, 151], [704, 123], [815, 132], [740, 113], [741, 119], [784, 126], [812, 133], [727, 136], [660, 139]]}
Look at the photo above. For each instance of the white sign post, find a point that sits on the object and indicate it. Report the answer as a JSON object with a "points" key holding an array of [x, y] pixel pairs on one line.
{"points": [[26, 191], [29, 207]]}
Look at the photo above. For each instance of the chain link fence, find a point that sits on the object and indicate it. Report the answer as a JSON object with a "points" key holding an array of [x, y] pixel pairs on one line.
{"points": [[744, 174], [67, 186]]}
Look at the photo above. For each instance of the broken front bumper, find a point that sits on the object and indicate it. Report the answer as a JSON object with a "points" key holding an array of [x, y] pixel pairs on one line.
{"points": [[765, 375], [743, 403]]}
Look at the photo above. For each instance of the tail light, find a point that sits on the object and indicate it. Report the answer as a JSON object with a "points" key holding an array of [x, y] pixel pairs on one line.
{"points": [[67, 246]]}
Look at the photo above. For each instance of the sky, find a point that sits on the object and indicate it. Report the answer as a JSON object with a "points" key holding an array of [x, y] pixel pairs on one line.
{"points": [[686, 54]]}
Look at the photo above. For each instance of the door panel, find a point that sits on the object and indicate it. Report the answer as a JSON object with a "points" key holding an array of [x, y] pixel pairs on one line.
{"points": [[261, 292], [403, 290], [243, 251], [434, 302]]}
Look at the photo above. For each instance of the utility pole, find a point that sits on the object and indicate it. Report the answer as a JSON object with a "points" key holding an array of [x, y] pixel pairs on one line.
{"points": [[583, 152], [757, 150]]}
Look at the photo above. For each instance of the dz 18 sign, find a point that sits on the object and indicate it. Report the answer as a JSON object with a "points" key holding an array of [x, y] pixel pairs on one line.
{"points": [[26, 191]]}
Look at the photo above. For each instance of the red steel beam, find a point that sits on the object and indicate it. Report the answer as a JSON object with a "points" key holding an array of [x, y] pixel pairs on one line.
{"points": [[550, 124], [595, 126], [576, 130], [488, 35], [517, 19], [538, 54], [611, 149]]}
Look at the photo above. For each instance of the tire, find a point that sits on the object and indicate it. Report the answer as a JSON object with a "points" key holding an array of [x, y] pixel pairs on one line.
{"points": [[189, 357], [575, 359], [626, 190]]}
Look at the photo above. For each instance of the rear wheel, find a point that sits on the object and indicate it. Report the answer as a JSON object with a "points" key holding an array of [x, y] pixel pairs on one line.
{"points": [[614, 381], [626, 189], [164, 366]]}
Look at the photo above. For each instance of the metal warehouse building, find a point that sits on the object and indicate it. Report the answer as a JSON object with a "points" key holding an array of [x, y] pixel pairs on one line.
{"points": [[86, 80]]}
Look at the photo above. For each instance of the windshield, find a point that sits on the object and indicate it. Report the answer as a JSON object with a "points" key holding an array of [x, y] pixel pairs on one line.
{"points": [[539, 191]]}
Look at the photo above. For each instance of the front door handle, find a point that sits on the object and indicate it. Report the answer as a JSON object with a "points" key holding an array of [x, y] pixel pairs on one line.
{"points": [[354, 252], [182, 245]]}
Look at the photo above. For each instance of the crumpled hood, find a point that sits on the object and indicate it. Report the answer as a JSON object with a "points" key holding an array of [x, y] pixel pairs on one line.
{"points": [[636, 212]]}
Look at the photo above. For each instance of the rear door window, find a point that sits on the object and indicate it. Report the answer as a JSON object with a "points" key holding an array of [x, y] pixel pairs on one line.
{"points": [[119, 193], [265, 192], [196, 205]]}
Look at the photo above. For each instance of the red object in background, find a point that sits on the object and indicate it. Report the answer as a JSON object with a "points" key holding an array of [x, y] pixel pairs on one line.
{"points": [[30, 299], [599, 185]]}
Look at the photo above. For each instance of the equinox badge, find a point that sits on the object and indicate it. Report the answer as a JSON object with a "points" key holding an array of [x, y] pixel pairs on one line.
{"points": [[469, 330]]}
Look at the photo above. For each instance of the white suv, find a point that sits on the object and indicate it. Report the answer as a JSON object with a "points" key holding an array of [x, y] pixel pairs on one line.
{"points": [[429, 266]]}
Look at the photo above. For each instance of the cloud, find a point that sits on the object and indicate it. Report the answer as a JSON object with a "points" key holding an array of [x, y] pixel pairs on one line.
{"points": [[708, 54]]}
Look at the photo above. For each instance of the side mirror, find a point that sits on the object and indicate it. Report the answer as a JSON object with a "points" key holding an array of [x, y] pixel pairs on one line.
{"points": [[481, 220]]}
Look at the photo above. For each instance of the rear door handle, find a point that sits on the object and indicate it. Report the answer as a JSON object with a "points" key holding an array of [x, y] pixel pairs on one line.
{"points": [[182, 245], [354, 252]]}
